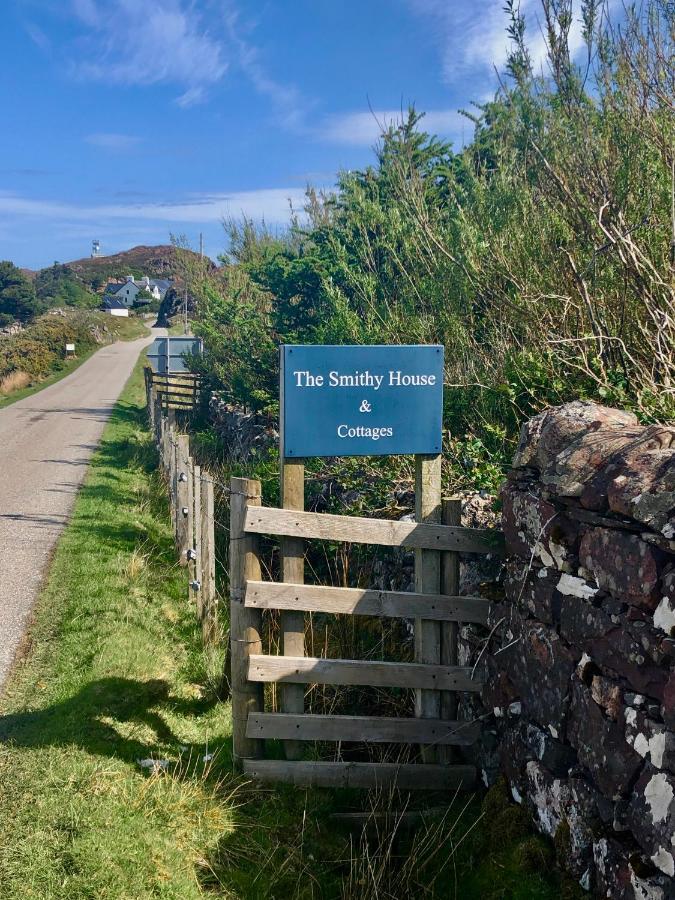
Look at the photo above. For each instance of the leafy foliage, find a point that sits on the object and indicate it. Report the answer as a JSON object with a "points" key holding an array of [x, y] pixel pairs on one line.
{"points": [[540, 255], [40, 348], [18, 301], [60, 286]]}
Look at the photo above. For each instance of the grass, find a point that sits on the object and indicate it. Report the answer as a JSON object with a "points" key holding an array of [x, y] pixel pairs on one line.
{"points": [[122, 329], [116, 675]]}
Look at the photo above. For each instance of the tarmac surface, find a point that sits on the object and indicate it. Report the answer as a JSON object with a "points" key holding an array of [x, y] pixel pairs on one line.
{"points": [[46, 442]]}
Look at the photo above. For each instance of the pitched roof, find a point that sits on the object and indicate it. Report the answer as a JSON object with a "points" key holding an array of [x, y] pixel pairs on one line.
{"points": [[112, 303], [112, 287]]}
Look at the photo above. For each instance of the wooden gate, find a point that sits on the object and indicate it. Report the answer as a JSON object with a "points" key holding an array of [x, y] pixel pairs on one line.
{"points": [[172, 391], [434, 675]]}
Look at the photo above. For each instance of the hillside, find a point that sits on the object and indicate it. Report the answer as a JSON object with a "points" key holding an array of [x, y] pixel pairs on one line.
{"points": [[25, 294], [157, 262]]}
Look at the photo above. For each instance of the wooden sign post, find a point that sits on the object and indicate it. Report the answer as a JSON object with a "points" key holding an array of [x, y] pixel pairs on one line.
{"points": [[293, 572], [245, 623], [428, 581]]}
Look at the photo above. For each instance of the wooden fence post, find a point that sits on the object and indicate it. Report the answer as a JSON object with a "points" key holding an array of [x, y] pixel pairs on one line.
{"points": [[190, 537], [209, 597], [161, 444], [293, 572], [196, 578], [158, 418], [168, 451], [427, 581], [245, 623], [183, 511], [151, 410], [451, 515], [147, 374], [172, 451]]}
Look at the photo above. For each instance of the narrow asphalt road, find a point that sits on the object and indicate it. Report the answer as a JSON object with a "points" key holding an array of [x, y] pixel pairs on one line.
{"points": [[46, 442]]}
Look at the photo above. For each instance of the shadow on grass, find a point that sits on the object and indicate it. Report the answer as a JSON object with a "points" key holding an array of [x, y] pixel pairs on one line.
{"points": [[88, 720]]}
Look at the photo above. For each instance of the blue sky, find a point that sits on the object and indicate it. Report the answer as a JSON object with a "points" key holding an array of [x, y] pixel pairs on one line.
{"points": [[126, 120]]}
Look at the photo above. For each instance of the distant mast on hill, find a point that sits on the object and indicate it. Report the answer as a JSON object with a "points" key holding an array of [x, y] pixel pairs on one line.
{"points": [[95, 249]]}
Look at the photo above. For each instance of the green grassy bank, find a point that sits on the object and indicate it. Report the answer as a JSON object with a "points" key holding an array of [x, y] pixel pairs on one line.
{"points": [[116, 675]]}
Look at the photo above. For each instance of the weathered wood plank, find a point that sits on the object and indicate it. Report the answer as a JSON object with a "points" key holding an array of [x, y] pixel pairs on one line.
{"points": [[196, 592], [308, 670], [358, 530], [366, 602], [208, 562], [399, 818], [428, 580], [293, 571], [407, 777], [363, 729], [245, 624], [451, 515], [183, 511]]}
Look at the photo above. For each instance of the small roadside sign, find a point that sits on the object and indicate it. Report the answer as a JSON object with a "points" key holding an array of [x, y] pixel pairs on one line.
{"points": [[167, 354]]}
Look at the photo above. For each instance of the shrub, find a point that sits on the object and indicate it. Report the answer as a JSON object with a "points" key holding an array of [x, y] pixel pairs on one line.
{"points": [[15, 381], [40, 348]]}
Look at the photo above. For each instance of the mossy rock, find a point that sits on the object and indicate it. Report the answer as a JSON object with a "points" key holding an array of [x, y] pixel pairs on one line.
{"points": [[505, 822], [534, 854], [562, 841]]}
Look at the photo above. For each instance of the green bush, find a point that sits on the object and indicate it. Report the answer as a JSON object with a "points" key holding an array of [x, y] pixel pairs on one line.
{"points": [[60, 286], [539, 255], [18, 301], [40, 348]]}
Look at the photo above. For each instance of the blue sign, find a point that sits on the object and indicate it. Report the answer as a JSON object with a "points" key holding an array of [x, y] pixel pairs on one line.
{"points": [[361, 400], [167, 354]]}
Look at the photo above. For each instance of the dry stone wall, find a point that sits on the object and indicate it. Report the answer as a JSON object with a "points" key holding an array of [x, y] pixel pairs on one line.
{"points": [[583, 684]]}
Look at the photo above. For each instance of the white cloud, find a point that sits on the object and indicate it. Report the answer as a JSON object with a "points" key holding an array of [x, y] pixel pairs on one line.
{"points": [[291, 107], [111, 141], [191, 97], [144, 42], [38, 37], [272, 204], [365, 128], [473, 36]]}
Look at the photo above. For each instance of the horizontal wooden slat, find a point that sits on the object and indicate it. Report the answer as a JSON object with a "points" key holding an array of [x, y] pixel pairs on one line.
{"points": [[372, 818], [357, 530], [176, 376], [179, 388], [355, 601], [307, 670], [174, 389], [170, 395], [363, 729], [407, 777]]}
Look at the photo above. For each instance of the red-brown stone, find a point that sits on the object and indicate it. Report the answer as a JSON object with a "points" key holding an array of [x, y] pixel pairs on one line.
{"points": [[622, 564]]}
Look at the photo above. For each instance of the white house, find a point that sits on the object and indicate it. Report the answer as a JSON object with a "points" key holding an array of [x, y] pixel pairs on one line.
{"points": [[115, 307], [127, 291]]}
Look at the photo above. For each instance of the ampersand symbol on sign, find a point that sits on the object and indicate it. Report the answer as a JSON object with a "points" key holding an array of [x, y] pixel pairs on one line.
{"points": [[365, 406]]}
